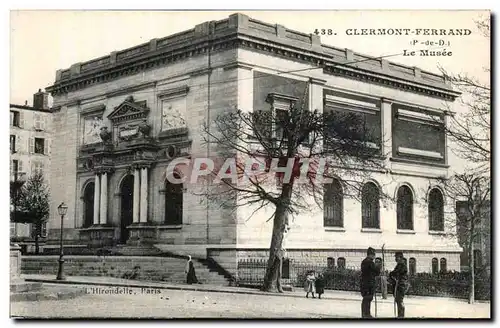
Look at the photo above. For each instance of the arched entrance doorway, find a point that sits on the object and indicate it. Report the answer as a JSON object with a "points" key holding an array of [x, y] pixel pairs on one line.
{"points": [[88, 205], [127, 206]]}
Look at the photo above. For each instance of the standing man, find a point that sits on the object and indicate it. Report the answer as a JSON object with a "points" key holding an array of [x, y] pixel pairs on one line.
{"points": [[399, 281], [369, 272]]}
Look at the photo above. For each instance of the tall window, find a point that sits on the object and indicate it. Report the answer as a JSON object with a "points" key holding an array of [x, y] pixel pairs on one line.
{"points": [[341, 263], [442, 264], [285, 269], [12, 144], [405, 208], [478, 259], [435, 265], [14, 118], [412, 268], [370, 206], [333, 208], [39, 146], [281, 122], [436, 210], [173, 202]]}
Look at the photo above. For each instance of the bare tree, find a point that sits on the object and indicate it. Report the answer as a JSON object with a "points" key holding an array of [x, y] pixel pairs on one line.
{"points": [[471, 130], [473, 191], [33, 203], [315, 146]]}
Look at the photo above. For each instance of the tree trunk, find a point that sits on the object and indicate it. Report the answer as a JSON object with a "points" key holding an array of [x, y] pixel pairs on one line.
{"points": [[471, 265], [37, 233], [279, 222], [471, 269]]}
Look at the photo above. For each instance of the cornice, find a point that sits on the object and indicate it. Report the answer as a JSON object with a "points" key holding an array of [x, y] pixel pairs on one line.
{"points": [[249, 39]]}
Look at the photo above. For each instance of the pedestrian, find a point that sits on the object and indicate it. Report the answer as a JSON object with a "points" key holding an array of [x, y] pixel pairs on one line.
{"points": [[190, 272], [320, 285], [369, 272], [399, 280], [309, 286]]}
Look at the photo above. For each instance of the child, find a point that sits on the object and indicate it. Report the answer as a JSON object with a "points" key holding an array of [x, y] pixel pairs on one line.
{"points": [[320, 285], [309, 286]]}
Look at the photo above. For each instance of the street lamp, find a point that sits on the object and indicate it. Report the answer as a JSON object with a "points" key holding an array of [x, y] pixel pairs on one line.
{"points": [[61, 209]]}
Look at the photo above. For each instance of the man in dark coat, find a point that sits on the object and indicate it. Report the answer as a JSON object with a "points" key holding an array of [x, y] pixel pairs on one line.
{"points": [[369, 271], [399, 280]]}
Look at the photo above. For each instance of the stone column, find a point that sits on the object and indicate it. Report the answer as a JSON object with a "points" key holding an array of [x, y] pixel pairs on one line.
{"points": [[137, 196], [104, 198], [97, 198], [144, 195], [386, 127]]}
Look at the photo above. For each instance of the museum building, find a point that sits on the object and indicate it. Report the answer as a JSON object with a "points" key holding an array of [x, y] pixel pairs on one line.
{"points": [[120, 119]]}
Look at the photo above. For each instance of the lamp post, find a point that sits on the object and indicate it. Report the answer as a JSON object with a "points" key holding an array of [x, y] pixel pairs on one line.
{"points": [[61, 209]]}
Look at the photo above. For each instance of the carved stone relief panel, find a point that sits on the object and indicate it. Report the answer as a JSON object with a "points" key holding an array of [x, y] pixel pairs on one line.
{"points": [[173, 113], [91, 129]]}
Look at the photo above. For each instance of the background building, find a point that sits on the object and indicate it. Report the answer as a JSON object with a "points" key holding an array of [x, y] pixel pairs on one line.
{"points": [[30, 144], [482, 242], [120, 119]]}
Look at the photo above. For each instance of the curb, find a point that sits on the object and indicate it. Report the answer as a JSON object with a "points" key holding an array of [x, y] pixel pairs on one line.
{"points": [[215, 290], [184, 288]]}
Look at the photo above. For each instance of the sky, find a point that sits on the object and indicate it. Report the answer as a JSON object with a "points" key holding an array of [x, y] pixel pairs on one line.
{"points": [[43, 41]]}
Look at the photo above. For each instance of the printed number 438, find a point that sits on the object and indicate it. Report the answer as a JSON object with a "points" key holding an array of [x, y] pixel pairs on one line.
{"points": [[324, 31]]}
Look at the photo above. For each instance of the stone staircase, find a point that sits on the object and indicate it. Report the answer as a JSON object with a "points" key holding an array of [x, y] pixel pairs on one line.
{"points": [[129, 250], [152, 268], [23, 291]]}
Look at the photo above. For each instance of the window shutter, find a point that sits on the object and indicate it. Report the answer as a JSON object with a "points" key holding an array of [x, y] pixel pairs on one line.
{"points": [[31, 145], [20, 166], [45, 147], [21, 119], [43, 122], [19, 144]]}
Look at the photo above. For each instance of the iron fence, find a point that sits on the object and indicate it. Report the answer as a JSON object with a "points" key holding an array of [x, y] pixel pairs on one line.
{"points": [[446, 284]]}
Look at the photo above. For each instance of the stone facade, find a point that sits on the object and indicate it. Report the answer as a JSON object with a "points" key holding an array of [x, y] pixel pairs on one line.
{"points": [[152, 108]]}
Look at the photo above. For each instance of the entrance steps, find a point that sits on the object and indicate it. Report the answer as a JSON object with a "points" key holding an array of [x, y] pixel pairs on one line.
{"points": [[130, 250], [152, 268]]}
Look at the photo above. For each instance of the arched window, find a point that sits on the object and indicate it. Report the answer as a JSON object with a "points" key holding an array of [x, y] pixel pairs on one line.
{"points": [[478, 259], [436, 210], [405, 208], [330, 262], [333, 209], [442, 264], [435, 265], [412, 268], [370, 206], [88, 205], [341, 263], [174, 193]]}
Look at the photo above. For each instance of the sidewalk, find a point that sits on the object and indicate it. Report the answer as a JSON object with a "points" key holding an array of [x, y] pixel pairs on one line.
{"points": [[298, 292]]}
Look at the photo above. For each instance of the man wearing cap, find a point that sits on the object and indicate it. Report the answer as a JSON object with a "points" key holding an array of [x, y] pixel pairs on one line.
{"points": [[369, 271], [399, 280]]}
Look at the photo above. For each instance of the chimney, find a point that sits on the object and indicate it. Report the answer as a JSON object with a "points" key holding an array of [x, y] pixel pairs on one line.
{"points": [[41, 100]]}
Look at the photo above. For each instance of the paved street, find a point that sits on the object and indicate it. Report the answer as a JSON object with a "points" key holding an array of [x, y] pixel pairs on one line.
{"points": [[164, 303]]}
